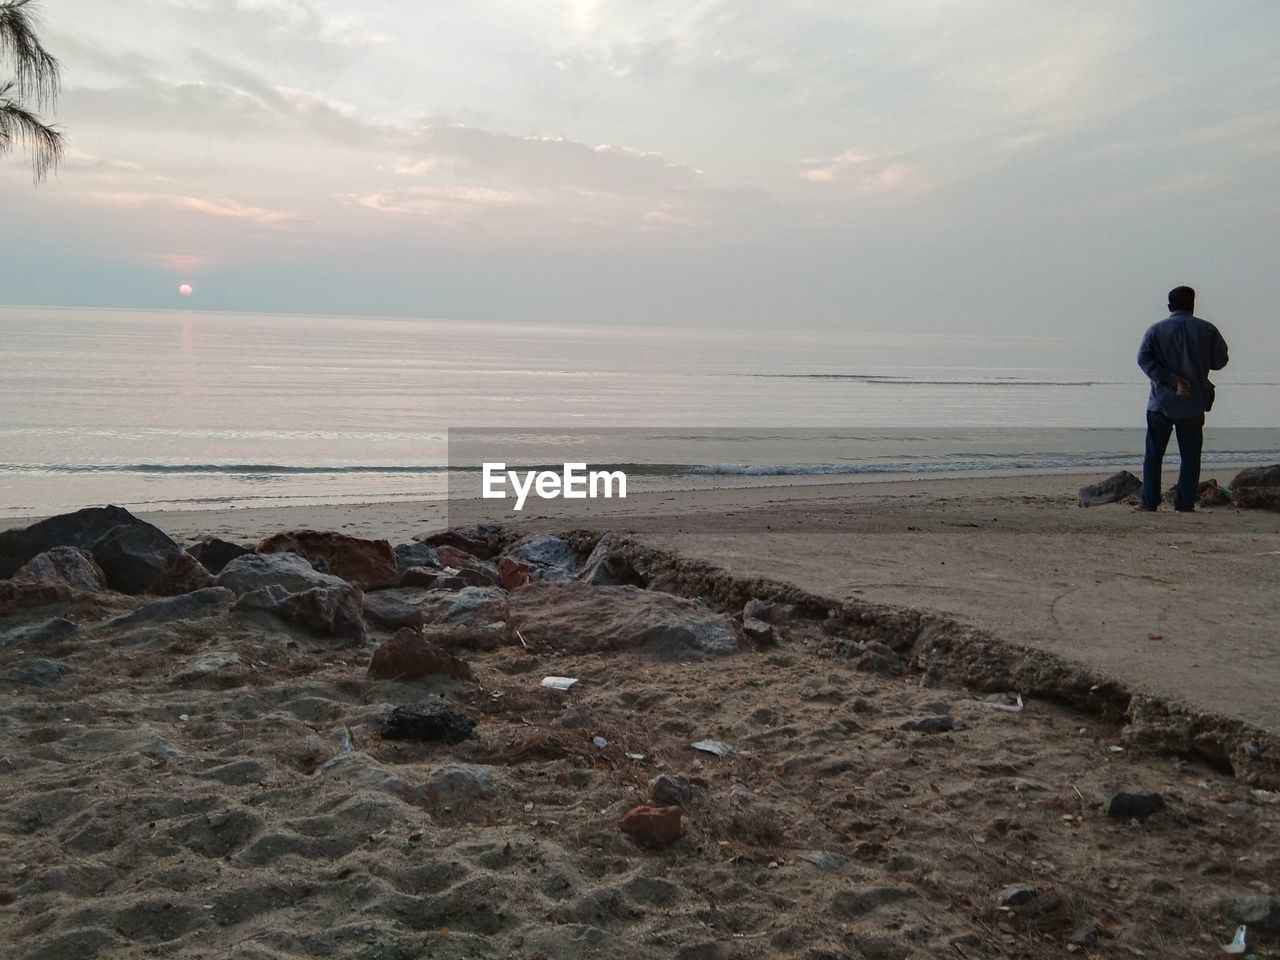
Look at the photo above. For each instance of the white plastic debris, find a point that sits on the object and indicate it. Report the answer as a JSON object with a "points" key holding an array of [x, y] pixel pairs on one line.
{"points": [[635, 756], [1116, 748], [600, 742], [1237, 942], [713, 746], [1012, 708], [559, 683]]}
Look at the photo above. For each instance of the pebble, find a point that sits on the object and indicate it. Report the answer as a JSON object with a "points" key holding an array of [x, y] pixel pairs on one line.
{"points": [[1134, 806], [653, 826], [1017, 894], [670, 790]]}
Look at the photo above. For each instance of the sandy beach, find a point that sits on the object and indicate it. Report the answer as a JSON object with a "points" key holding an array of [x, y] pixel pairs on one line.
{"points": [[218, 775]]}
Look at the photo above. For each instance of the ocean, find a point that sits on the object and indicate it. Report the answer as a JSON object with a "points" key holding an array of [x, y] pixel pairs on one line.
{"points": [[190, 409]]}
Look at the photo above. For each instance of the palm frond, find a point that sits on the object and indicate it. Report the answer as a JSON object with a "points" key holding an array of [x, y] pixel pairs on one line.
{"points": [[18, 124], [35, 68]]}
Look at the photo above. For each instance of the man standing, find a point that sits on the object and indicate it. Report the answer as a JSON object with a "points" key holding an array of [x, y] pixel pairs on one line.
{"points": [[1177, 355]]}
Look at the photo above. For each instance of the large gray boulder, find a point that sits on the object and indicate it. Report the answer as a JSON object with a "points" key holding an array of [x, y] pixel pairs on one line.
{"points": [[66, 565], [254, 571], [577, 617]]}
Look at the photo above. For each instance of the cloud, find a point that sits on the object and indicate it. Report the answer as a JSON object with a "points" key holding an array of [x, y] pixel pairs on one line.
{"points": [[296, 18], [862, 173], [446, 203], [218, 207]]}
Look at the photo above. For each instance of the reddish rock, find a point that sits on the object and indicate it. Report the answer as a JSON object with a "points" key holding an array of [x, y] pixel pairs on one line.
{"points": [[18, 595], [577, 617], [370, 564], [66, 565], [408, 655], [474, 572], [1257, 488], [472, 542], [513, 574], [654, 827]]}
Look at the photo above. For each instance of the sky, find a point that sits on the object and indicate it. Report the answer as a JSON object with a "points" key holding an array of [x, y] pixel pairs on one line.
{"points": [[979, 166]]}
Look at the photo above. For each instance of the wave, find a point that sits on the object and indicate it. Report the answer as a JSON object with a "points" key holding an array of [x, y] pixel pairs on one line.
{"points": [[229, 469], [891, 380]]}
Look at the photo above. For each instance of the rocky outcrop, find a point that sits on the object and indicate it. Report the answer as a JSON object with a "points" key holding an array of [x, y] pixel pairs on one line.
{"points": [[327, 611], [69, 566], [409, 655], [288, 570], [18, 595], [471, 606], [409, 555], [370, 564], [547, 557], [134, 556], [578, 617], [1257, 488], [1111, 490], [391, 612], [198, 603]]}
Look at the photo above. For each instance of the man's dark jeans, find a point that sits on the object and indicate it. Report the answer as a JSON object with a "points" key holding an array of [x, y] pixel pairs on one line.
{"points": [[1190, 441]]}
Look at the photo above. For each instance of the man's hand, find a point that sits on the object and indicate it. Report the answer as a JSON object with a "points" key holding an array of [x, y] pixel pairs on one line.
{"points": [[1182, 385]]}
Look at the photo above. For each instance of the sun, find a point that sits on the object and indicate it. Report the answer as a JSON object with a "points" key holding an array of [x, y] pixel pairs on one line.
{"points": [[185, 289]]}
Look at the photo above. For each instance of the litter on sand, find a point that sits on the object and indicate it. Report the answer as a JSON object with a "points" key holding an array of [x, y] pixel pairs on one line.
{"points": [[1011, 707], [559, 683], [1237, 942], [600, 742], [713, 746], [635, 756], [344, 735]]}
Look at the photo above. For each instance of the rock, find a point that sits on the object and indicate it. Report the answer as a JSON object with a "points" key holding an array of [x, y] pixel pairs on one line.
{"points": [[322, 611], [472, 571], [288, 570], [1208, 494], [654, 827], [409, 555], [576, 617], [432, 726], [369, 564], [214, 669], [1017, 894], [431, 577], [214, 553], [603, 568], [390, 612], [408, 655], [146, 561], [1111, 490], [50, 631], [1258, 911], [512, 574], [757, 631], [39, 673], [470, 606], [770, 612], [1134, 806], [670, 790], [938, 723], [1257, 488], [547, 557], [198, 603], [480, 544], [65, 565], [455, 784], [140, 558], [16, 595]]}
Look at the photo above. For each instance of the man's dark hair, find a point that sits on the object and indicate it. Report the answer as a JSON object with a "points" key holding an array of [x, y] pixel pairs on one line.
{"points": [[1182, 298]]}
